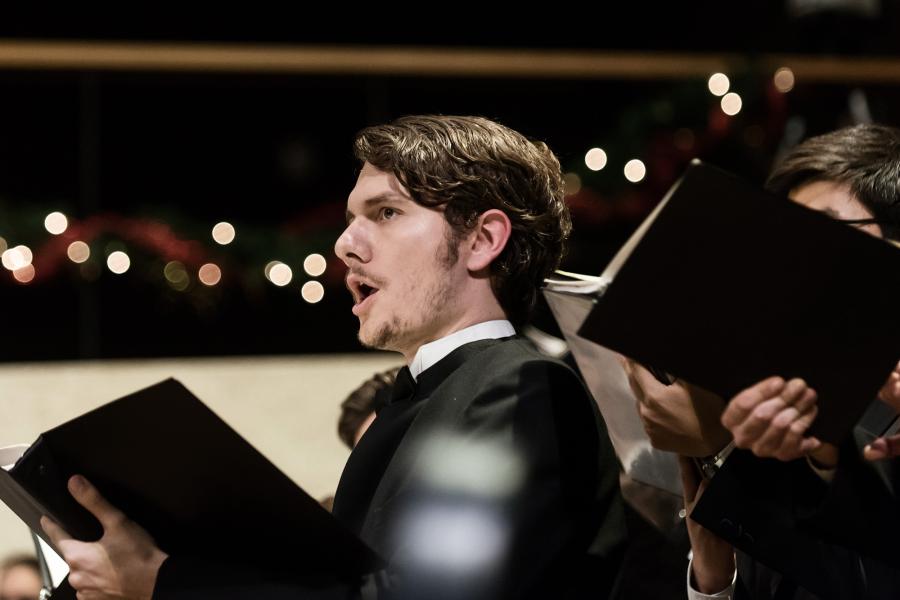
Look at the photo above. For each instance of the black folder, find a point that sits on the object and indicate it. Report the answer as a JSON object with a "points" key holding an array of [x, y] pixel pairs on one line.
{"points": [[174, 467], [725, 284]]}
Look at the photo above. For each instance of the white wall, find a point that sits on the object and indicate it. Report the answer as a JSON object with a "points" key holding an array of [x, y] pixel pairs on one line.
{"points": [[286, 407]]}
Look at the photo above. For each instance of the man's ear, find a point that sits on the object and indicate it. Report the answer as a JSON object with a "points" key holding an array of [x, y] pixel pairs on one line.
{"points": [[488, 239]]}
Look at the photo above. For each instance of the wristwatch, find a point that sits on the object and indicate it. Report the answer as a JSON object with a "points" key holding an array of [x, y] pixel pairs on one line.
{"points": [[710, 465]]}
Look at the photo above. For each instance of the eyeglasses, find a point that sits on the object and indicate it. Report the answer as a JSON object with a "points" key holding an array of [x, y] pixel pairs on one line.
{"points": [[864, 222], [869, 221]]}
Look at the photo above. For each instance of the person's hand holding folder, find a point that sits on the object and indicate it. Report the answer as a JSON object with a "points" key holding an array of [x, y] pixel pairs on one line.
{"points": [[771, 417], [121, 564], [890, 392], [887, 446], [678, 418]]}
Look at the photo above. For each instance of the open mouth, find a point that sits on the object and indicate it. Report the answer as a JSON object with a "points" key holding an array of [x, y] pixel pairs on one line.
{"points": [[365, 291], [362, 294]]}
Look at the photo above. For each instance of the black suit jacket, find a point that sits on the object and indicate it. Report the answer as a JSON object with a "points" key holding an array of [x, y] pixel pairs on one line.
{"points": [[566, 516]]}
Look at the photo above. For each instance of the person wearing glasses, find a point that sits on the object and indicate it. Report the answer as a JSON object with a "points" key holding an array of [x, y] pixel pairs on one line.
{"points": [[846, 503]]}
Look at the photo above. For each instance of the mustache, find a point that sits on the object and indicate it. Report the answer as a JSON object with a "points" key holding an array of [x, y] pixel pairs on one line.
{"points": [[375, 281]]}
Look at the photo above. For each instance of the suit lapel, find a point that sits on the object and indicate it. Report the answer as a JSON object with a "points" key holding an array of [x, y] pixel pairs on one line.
{"points": [[435, 391]]}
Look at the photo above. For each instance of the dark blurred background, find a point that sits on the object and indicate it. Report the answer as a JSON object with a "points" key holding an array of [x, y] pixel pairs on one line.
{"points": [[146, 131]]}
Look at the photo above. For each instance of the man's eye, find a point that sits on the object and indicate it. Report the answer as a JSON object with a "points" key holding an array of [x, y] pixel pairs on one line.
{"points": [[388, 213]]}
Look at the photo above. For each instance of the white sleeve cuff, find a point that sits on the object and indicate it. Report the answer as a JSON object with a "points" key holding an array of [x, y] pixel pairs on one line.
{"points": [[693, 594]]}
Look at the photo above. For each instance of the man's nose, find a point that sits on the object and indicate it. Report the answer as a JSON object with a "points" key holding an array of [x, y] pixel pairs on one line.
{"points": [[352, 245]]}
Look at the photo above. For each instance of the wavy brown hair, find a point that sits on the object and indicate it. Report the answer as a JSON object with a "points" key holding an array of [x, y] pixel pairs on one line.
{"points": [[468, 165]]}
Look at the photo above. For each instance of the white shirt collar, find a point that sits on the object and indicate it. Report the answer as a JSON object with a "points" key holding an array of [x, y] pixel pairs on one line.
{"points": [[432, 352]]}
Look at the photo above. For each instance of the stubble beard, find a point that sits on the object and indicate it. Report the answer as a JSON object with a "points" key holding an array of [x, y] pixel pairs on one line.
{"points": [[397, 334]]}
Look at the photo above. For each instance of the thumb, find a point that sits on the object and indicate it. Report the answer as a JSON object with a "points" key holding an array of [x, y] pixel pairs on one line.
{"points": [[87, 496]]}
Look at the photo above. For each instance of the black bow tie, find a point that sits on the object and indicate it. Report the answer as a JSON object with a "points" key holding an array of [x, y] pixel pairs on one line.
{"points": [[404, 386]]}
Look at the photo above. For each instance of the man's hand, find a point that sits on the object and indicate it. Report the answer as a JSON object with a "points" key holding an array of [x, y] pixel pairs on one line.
{"points": [[122, 564], [887, 447], [890, 393], [713, 562], [883, 447], [771, 418], [680, 418]]}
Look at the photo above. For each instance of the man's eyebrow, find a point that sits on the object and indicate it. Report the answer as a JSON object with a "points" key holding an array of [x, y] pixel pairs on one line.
{"points": [[376, 200], [386, 197]]}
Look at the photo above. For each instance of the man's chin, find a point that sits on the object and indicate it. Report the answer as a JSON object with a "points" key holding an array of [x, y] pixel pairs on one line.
{"points": [[366, 343], [368, 338], [376, 339]]}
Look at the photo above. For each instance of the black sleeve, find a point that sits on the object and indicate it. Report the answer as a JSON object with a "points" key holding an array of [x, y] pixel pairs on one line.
{"points": [[859, 509], [569, 529], [767, 510]]}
